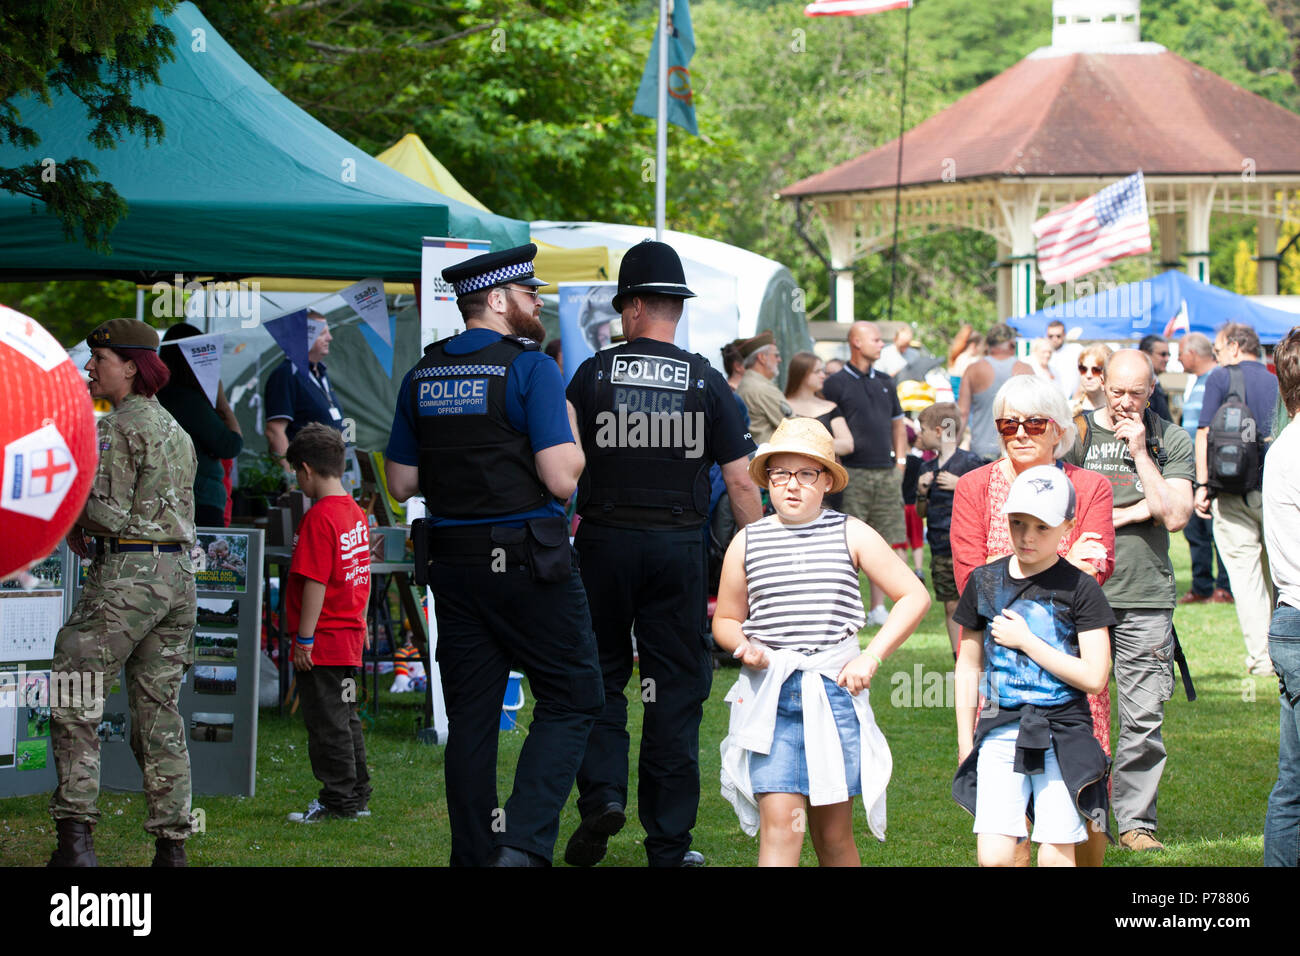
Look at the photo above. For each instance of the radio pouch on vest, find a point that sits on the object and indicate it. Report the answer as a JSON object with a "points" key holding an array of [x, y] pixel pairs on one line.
{"points": [[550, 557]]}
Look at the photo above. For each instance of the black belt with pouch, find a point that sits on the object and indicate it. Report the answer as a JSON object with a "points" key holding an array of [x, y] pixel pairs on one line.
{"points": [[542, 544]]}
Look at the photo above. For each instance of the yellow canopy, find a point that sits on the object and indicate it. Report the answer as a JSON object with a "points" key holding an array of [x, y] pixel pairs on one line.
{"points": [[410, 157]]}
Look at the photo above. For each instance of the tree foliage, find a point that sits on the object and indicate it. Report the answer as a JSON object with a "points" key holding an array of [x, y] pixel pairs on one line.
{"points": [[98, 52]]}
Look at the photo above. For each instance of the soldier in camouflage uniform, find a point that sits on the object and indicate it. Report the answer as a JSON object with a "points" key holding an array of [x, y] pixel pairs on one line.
{"points": [[137, 609]]}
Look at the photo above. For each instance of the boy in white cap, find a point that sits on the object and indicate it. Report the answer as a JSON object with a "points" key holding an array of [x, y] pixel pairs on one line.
{"points": [[1035, 639]]}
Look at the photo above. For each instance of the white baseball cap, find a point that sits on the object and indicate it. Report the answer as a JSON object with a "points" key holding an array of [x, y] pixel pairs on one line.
{"points": [[1044, 492]]}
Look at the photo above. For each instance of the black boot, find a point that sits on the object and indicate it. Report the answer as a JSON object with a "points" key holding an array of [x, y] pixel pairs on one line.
{"points": [[76, 848], [169, 852]]}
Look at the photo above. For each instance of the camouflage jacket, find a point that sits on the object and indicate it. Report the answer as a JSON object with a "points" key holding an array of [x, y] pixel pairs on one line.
{"points": [[144, 487]]}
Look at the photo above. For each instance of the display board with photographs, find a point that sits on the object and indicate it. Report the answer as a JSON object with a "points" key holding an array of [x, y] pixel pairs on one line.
{"points": [[32, 609], [218, 700]]}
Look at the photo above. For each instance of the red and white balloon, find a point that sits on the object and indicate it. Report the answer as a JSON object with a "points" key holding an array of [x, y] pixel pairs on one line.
{"points": [[47, 436]]}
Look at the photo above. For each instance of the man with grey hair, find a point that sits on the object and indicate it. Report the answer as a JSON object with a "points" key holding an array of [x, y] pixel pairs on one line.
{"points": [[1196, 353], [981, 383], [1150, 465], [767, 406]]}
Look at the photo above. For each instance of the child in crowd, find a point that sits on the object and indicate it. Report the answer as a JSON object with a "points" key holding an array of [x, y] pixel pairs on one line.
{"points": [[329, 587], [803, 740], [912, 520], [1035, 628], [940, 430]]}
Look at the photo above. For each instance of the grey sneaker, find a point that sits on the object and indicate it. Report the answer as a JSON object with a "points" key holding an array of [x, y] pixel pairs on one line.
{"points": [[316, 812]]}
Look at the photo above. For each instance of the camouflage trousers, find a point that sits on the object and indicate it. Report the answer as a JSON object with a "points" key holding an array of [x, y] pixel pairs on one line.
{"points": [[137, 612]]}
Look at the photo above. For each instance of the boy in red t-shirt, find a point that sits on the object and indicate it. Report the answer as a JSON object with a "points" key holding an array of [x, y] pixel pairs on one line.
{"points": [[329, 587]]}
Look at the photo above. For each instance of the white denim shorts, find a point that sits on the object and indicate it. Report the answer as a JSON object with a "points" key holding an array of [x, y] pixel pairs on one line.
{"points": [[1001, 794]]}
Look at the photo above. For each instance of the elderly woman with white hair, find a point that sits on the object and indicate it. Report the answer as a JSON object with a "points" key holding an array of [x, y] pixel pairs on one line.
{"points": [[1035, 427]]}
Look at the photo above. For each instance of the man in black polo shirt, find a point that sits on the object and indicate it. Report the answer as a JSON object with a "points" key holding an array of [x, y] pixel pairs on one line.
{"points": [[870, 406], [294, 401]]}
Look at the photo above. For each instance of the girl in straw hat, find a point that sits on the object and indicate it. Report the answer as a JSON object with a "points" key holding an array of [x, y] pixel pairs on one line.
{"points": [[802, 739]]}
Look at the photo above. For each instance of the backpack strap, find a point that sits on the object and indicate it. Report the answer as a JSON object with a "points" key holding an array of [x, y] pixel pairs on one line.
{"points": [[1155, 427], [1083, 424], [1236, 384]]}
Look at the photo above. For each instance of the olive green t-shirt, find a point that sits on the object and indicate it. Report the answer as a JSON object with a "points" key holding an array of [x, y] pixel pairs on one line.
{"points": [[1144, 576]]}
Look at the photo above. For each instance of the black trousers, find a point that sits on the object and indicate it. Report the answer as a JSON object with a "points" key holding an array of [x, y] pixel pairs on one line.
{"points": [[492, 617], [655, 581], [334, 742]]}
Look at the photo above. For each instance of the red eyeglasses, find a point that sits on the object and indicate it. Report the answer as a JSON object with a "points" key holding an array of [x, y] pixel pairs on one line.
{"points": [[1008, 427], [1096, 369]]}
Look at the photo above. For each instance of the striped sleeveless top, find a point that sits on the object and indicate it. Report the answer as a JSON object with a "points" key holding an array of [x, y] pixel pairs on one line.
{"points": [[803, 586]]}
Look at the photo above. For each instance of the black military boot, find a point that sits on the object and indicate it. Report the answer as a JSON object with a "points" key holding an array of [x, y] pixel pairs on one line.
{"points": [[76, 848], [169, 852]]}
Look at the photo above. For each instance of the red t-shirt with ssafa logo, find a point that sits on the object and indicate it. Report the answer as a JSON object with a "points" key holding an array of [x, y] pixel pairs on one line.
{"points": [[333, 547]]}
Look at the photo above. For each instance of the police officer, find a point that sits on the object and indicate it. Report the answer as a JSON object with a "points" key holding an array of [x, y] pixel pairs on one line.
{"points": [[653, 419], [483, 432], [137, 608]]}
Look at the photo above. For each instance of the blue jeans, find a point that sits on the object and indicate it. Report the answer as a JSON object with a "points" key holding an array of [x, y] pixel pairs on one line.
{"points": [[1200, 541], [1282, 824]]}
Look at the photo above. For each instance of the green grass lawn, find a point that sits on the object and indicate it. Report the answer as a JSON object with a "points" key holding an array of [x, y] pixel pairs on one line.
{"points": [[1222, 763]]}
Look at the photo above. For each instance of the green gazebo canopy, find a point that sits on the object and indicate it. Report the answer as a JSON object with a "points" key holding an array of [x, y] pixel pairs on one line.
{"points": [[243, 183]]}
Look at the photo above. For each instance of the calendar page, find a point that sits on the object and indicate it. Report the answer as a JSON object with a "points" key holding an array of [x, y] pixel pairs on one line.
{"points": [[29, 620]]}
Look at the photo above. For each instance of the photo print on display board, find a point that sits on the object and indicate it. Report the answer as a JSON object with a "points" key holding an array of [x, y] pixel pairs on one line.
{"points": [[214, 680], [227, 563], [218, 612], [212, 728], [32, 754], [112, 727], [215, 647]]}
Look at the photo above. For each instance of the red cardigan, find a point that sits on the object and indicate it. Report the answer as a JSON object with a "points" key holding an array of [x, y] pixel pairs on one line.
{"points": [[1094, 507]]}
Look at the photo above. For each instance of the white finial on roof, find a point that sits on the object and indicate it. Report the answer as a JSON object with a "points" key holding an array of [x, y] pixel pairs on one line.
{"points": [[1096, 26]]}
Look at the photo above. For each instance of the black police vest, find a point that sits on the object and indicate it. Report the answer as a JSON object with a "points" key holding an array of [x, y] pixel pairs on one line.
{"points": [[473, 462], [649, 418]]}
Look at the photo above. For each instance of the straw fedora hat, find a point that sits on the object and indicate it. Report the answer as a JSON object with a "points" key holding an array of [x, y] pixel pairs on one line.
{"points": [[800, 436]]}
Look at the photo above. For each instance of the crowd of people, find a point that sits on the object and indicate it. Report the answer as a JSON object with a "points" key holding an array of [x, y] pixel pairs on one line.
{"points": [[1049, 489]]}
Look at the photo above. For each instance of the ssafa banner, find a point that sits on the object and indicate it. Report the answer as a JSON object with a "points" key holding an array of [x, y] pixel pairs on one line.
{"points": [[203, 353], [439, 316], [366, 299], [588, 322]]}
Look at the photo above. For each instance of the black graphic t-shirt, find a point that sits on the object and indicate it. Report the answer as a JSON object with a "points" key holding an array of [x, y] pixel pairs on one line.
{"points": [[1056, 604]]}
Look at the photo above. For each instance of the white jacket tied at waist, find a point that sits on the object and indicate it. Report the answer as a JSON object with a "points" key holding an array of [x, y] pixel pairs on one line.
{"points": [[753, 699]]}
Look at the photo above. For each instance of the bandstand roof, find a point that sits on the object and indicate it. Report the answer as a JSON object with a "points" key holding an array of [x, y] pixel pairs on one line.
{"points": [[1083, 115]]}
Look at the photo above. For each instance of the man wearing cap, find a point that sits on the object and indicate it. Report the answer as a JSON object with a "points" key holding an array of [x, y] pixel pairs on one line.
{"points": [[483, 433], [137, 607], [294, 401], [767, 406], [1150, 464], [652, 419]]}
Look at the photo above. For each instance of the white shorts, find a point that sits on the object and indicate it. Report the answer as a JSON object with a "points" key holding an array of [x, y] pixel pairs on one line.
{"points": [[1001, 794]]}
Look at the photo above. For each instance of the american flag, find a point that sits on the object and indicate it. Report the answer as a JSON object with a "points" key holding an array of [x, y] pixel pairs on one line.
{"points": [[852, 8], [1086, 235]]}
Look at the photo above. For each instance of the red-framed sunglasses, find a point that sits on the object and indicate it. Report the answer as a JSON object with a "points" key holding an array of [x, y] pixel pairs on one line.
{"points": [[1008, 427]]}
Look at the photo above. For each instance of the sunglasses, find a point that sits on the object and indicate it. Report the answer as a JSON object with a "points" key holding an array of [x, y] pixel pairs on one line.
{"points": [[1095, 369], [1008, 427]]}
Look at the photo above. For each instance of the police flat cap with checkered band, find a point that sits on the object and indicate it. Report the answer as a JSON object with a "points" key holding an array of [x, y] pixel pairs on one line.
{"points": [[493, 269]]}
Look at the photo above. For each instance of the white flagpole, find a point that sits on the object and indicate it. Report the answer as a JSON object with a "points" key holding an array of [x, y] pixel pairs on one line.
{"points": [[661, 157]]}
